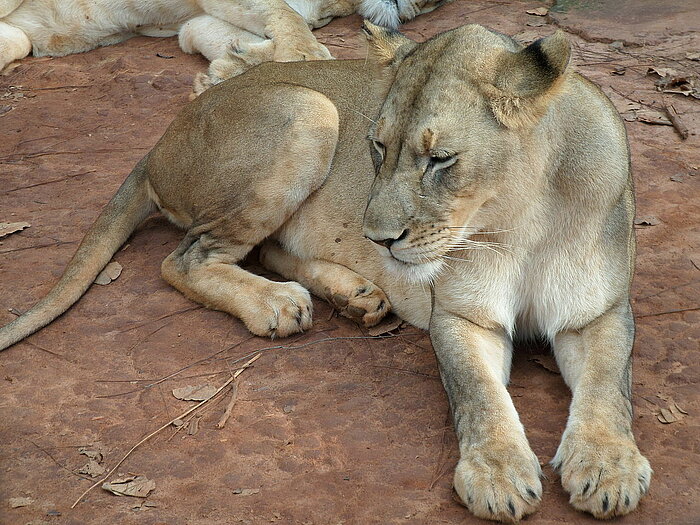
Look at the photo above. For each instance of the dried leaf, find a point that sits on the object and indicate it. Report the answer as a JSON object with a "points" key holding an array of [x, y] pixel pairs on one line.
{"points": [[20, 502], [671, 414], [388, 324], [193, 426], [545, 361], [648, 116], [92, 454], [6, 228], [647, 220], [662, 71], [540, 11], [671, 81], [245, 492], [195, 393], [92, 468], [666, 417], [680, 409], [137, 486], [109, 274]]}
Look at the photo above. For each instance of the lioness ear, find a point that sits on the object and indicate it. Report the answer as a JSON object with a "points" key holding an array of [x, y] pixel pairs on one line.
{"points": [[525, 82], [384, 44]]}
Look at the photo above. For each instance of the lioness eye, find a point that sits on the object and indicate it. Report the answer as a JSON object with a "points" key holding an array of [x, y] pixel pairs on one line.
{"points": [[439, 163], [379, 147]]}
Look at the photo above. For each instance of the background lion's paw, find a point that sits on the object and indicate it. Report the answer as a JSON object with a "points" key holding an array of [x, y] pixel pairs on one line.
{"points": [[295, 50], [499, 484], [604, 475]]}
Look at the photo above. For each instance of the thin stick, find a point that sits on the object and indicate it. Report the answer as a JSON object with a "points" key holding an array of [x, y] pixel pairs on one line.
{"points": [[675, 119], [669, 312], [149, 436], [229, 407]]}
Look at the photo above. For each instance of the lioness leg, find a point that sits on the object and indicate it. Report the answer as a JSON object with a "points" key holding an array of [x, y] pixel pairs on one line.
{"points": [[350, 293], [14, 44], [498, 475], [233, 204], [598, 459], [205, 271]]}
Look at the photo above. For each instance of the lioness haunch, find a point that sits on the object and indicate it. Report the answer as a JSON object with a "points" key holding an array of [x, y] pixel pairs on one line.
{"points": [[501, 177]]}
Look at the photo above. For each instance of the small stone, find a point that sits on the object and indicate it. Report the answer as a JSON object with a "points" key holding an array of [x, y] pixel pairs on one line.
{"points": [[20, 502]]}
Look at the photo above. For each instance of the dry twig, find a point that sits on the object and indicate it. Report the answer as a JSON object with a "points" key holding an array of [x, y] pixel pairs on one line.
{"points": [[675, 119], [166, 425]]}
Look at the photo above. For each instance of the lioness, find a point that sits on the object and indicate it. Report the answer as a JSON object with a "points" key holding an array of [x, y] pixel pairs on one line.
{"points": [[502, 179]]}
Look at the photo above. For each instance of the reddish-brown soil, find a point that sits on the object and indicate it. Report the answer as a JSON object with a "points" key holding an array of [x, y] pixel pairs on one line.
{"points": [[343, 429]]}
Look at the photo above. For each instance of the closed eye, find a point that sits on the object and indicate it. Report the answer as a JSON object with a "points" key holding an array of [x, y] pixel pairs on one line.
{"points": [[381, 149], [440, 163]]}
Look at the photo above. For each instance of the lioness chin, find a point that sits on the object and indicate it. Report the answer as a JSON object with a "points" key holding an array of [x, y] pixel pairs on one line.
{"points": [[499, 175]]}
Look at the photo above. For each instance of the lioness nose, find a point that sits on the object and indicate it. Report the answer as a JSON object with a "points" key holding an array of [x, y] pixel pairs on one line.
{"points": [[387, 243]]}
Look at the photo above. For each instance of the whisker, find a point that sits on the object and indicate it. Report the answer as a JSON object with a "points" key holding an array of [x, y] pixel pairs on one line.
{"points": [[361, 114]]}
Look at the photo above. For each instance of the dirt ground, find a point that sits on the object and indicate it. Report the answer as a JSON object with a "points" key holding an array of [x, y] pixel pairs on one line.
{"points": [[330, 427]]}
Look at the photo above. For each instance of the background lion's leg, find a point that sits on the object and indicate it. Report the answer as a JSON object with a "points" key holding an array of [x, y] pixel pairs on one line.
{"points": [[498, 475], [230, 49], [598, 459], [14, 44], [205, 271], [350, 293], [271, 19]]}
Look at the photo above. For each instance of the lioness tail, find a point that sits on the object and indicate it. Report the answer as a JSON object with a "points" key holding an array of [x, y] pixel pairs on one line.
{"points": [[129, 206]]}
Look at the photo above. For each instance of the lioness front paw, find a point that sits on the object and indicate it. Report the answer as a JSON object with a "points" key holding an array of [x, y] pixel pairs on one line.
{"points": [[501, 484], [282, 309], [366, 303], [605, 475]]}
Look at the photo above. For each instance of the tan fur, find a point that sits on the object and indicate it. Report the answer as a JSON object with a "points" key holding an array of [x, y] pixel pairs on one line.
{"points": [[479, 226]]}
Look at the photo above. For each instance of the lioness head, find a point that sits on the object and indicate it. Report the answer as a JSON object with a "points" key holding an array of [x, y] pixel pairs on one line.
{"points": [[452, 136]]}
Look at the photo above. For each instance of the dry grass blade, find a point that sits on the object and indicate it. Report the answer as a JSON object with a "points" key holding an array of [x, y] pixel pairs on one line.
{"points": [[229, 407], [163, 427]]}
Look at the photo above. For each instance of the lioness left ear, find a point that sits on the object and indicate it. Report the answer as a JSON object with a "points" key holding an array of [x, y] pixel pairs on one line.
{"points": [[386, 45], [525, 82]]}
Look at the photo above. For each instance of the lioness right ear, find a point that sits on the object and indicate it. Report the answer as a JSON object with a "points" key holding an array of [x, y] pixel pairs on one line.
{"points": [[384, 44], [525, 82]]}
